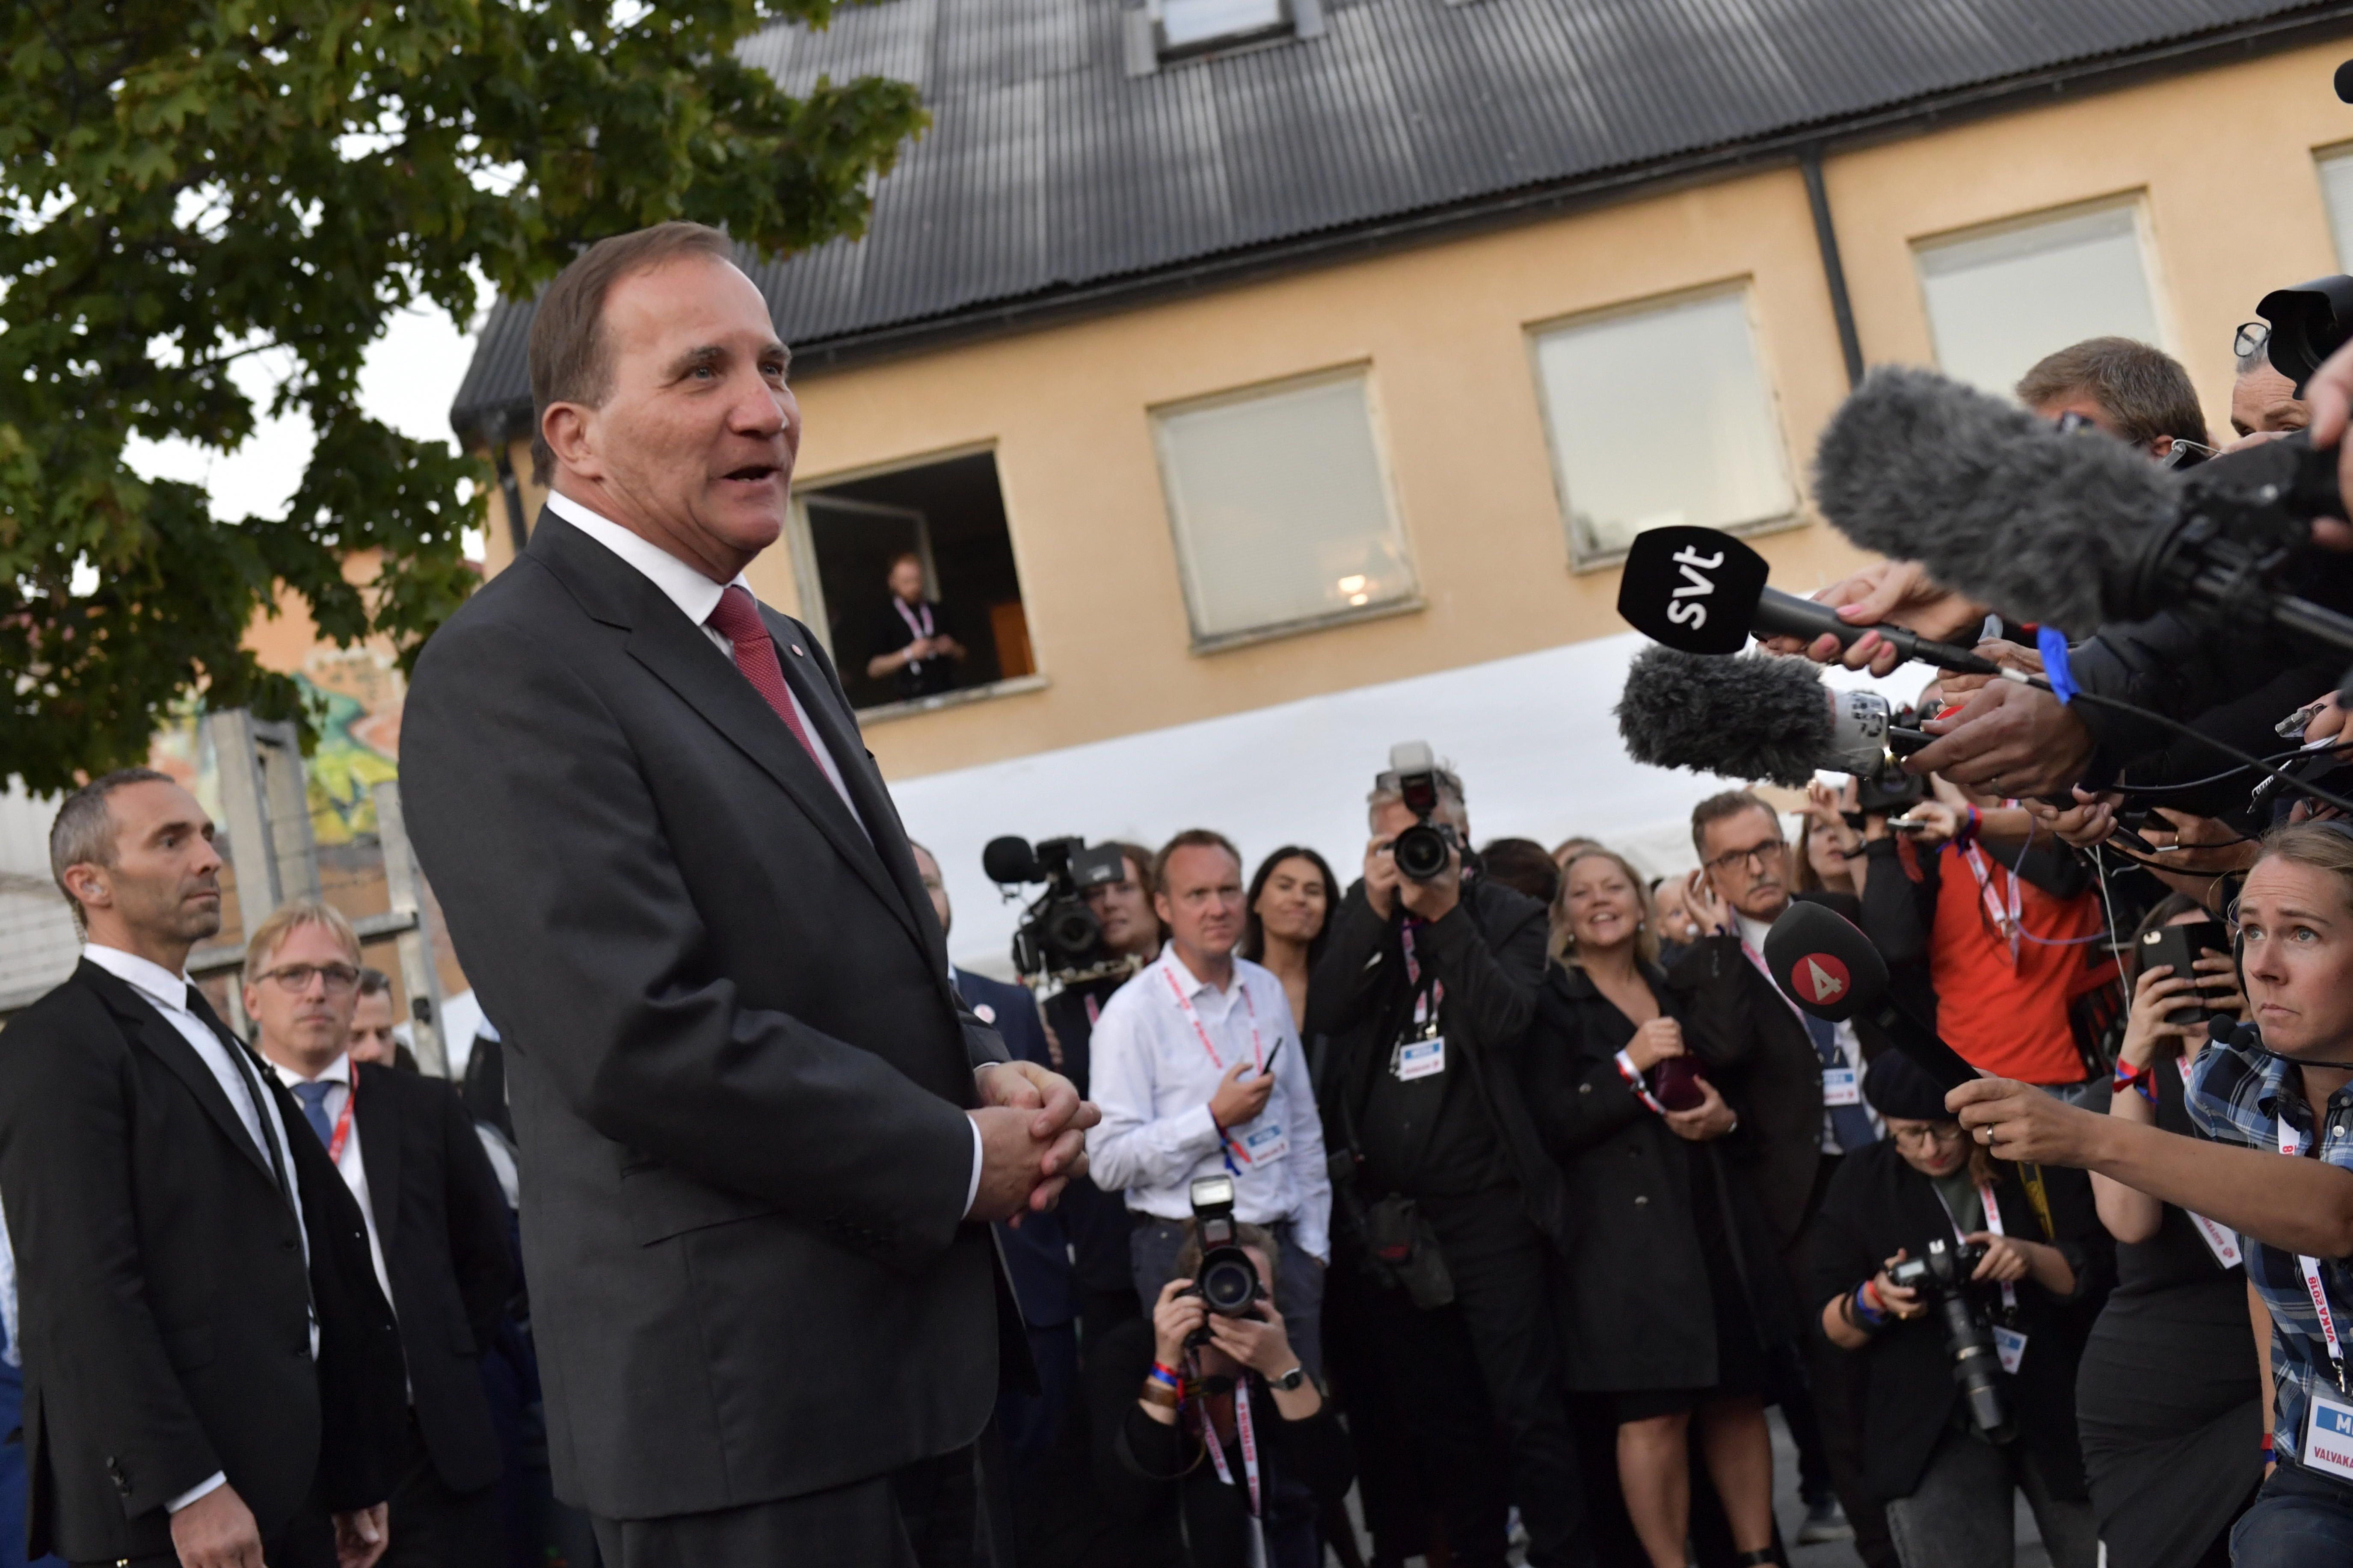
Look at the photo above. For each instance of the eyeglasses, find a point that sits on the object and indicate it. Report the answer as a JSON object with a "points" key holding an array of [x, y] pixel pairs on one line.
{"points": [[1764, 855], [296, 978], [1943, 1134], [2252, 338]]}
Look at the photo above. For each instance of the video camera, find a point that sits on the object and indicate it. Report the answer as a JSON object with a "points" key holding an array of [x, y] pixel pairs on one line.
{"points": [[1227, 1282], [1422, 850], [1058, 933], [1942, 1280]]}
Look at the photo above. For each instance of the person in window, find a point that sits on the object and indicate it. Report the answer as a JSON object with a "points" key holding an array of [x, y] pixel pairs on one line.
{"points": [[1948, 1487], [1669, 1288], [909, 649], [1157, 1401]]}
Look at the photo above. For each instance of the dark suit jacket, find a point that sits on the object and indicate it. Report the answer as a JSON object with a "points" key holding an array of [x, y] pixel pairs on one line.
{"points": [[737, 1069], [1037, 1252], [1762, 1058], [442, 1221], [164, 1299]]}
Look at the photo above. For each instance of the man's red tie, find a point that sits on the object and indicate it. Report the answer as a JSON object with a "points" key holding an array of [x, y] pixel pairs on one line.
{"points": [[737, 619]]}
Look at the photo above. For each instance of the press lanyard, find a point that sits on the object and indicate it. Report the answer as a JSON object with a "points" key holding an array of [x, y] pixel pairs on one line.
{"points": [[1757, 958], [1236, 1156], [1242, 1434], [2005, 920], [1425, 1003], [1993, 1226], [2291, 1144], [342, 1132], [921, 627], [2223, 1242]]}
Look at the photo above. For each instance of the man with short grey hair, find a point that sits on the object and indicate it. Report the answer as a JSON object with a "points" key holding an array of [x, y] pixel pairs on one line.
{"points": [[209, 1364]]}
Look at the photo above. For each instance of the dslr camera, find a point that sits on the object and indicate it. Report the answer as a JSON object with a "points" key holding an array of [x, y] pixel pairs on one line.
{"points": [[1058, 933], [1942, 1279], [1421, 851], [1227, 1280]]}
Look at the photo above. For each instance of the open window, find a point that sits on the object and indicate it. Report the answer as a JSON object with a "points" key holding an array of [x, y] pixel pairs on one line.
{"points": [[949, 517]]}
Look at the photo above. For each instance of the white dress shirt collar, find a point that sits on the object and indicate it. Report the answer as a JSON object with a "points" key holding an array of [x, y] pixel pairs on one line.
{"points": [[1192, 984], [684, 585], [336, 1072], [144, 975]]}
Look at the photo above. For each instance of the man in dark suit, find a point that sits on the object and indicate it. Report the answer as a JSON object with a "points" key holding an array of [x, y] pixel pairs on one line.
{"points": [[437, 1225], [761, 1136], [209, 1366], [1797, 1083]]}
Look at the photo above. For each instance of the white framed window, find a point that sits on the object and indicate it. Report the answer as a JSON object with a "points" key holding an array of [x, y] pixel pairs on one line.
{"points": [[2335, 166], [2001, 297], [1195, 27], [1280, 503], [1659, 414]]}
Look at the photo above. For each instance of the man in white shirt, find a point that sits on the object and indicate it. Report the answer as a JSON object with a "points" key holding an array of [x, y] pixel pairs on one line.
{"points": [[208, 1359], [1198, 1070], [435, 1223]]}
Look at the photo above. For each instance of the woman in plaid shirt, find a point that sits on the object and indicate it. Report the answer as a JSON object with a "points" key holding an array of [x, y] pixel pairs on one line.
{"points": [[2280, 1084]]}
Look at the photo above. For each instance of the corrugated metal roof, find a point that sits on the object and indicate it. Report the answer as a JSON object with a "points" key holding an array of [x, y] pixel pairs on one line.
{"points": [[1049, 170]]}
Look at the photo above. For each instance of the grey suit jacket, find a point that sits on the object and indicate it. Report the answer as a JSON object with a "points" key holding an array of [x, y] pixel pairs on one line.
{"points": [[737, 1069]]}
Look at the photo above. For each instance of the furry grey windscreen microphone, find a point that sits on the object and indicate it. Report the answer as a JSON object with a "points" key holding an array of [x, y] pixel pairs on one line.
{"points": [[2041, 524], [1751, 716]]}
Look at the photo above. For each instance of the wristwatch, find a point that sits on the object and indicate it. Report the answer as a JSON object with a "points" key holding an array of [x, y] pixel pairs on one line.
{"points": [[1289, 1380]]}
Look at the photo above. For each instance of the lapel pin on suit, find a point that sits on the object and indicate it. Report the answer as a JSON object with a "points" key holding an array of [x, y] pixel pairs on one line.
{"points": [[797, 651]]}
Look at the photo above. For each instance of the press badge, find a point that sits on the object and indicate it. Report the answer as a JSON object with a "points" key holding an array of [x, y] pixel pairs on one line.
{"points": [[1266, 1144], [2010, 1346], [2328, 1435], [1841, 1086], [1422, 1059]]}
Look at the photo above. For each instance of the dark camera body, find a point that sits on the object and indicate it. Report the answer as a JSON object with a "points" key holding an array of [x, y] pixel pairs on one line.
{"points": [[1058, 933], [1942, 1279], [1227, 1282], [1423, 850]]}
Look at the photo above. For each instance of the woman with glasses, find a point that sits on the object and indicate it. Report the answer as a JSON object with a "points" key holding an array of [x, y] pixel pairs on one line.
{"points": [[2169, 1394], [1949, 1487], [1668, 1288]]}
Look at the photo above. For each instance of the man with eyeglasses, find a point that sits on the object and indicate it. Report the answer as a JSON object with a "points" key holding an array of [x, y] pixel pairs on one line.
{"points": [[209, 1363], [435, 1223], [1796, 1082]]}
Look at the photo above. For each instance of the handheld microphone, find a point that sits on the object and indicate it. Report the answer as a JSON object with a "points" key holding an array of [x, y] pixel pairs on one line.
{"points": [[1831, 970], [1756, 717], [1702, 591], [2068, 529]]}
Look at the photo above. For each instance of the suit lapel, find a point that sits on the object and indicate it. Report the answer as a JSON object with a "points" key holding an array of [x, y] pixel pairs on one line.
{"points": [[151, 1029], [376, 1120]]}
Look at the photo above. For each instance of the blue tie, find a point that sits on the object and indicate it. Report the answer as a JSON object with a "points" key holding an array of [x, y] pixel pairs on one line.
{"points": [[1850, 1124], [313, 1097]]}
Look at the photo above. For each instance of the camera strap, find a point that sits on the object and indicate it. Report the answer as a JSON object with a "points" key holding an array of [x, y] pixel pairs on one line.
{"points": [[920, 626], [2291, 1144], [2006, 920], [1244, 1434], [1235, 1154], [2221, 1240], [1427, 999], [1993, 1224]]}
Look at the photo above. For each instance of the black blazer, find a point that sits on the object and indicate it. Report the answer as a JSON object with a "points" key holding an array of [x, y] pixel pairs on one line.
{"points": [[164, 1303], [442, 1221], [737, 1069], [1037, 1252]]}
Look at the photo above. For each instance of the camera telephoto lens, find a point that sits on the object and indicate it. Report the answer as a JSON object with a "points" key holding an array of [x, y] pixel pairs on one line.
{"points": [[1420, 851]]}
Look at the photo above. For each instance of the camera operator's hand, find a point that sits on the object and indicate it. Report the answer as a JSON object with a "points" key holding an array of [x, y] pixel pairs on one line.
{"points": [[2013, 1120], [1710, 1119], [2330, 395], [1261, 1344], [1174, 1318], [1654, 1042], [1897, 591], [1381, 877], [1239, 1100], [1900, 1301], [1435, 899], [1714, 916], [2005, 1260], [2007, 740], [2148, 1031]]}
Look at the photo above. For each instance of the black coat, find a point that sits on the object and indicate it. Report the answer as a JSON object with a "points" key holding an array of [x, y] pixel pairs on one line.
{"points": [[1037, 1251], [738, 1072], [1490, 952], [1644, 1207], [442, 1222], [1877, 1204], [165, 1306]]}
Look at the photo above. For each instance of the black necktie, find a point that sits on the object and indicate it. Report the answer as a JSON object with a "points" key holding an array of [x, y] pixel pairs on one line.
{"points": [[254, 1092]]}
